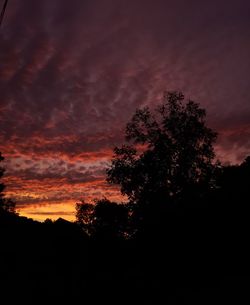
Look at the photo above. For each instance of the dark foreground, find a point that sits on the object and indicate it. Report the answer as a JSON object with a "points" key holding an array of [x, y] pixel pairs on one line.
{"points": [[197, 259]]}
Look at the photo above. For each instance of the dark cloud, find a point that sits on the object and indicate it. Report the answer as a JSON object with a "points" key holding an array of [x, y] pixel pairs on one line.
{"points": [[73, 72]]}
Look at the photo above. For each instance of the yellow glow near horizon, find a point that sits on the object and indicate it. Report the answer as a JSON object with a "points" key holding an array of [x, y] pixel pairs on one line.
{"points": [[64, 210]]}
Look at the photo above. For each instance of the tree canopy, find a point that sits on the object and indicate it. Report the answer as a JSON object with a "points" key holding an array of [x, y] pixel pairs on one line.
{"points": [[169, 151]]}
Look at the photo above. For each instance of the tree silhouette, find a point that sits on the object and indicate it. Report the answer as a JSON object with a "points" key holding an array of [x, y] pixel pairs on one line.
{"points": [[84, 216], [110, 219], [104, 219], [171, 152], [6, 204]]}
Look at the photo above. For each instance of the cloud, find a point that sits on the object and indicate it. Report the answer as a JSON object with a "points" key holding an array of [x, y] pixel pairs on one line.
{"points": [[73, 72]]}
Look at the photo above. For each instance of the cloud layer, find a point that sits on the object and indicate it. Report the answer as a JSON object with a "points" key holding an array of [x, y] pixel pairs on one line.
{"points": [[73, 72]]}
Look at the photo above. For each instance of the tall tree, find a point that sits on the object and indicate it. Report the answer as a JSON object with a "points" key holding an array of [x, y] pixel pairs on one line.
{"points": [[170, 152]]}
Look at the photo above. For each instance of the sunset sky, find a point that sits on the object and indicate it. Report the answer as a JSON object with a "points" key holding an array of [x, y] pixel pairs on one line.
{"points": [[72, 72]]}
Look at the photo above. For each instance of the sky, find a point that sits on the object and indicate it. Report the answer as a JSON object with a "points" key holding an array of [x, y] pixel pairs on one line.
{"points": [[73, 72]]}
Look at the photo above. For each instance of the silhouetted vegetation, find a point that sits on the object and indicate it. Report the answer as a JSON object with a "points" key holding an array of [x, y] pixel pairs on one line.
{"points": [[104, 219], [181, 238], [177, 152]]}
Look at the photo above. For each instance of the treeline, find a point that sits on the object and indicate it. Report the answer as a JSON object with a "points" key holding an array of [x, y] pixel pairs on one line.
{"points": [[180, 238], [167, 166]]}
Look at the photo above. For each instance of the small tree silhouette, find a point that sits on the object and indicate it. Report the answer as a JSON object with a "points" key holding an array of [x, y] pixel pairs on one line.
{"points": [[110, 220], [103, 220], [171, 152], [84, 216]]}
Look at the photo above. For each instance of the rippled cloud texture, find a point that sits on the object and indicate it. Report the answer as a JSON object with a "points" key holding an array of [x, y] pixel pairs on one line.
{"points": [[73, 72]]}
